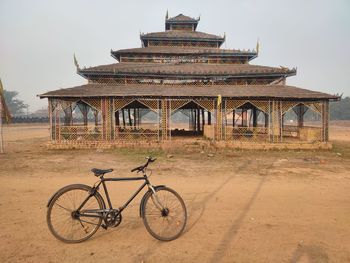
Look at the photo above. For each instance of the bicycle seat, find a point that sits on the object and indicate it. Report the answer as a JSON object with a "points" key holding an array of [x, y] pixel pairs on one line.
{"points": [[99, 172]]}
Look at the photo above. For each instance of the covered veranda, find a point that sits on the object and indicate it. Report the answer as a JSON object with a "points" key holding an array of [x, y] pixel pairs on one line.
{"points": [[110, 114]]}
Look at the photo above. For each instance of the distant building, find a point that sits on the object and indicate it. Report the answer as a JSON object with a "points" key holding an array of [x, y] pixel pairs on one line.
{"points": [[182, 75]]}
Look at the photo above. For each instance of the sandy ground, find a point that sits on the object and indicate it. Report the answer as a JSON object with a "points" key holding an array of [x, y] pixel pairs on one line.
{"points": [[243, 206]]}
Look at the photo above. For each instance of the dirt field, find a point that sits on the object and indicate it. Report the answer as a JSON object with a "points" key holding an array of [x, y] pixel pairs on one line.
{"points": [[243, 206]]}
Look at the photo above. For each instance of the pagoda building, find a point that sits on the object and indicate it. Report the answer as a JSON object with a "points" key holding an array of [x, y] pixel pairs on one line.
{"points": [[181, 83]]}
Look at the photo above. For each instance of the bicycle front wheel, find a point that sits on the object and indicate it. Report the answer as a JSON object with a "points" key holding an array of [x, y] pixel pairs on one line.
{"points": [[65, 222], [164, 214]]}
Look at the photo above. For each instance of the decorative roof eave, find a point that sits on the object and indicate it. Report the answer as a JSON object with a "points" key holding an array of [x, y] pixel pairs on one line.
{"points": [[193, 21], [248, 54], [88, 74], [167, 24], [184, 51], [282, 92], [115, 54], [182, 22], [219, 41], [143, 37]]}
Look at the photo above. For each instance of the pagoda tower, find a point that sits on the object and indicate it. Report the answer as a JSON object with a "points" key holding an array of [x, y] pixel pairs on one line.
{"points": [[181, 83]]}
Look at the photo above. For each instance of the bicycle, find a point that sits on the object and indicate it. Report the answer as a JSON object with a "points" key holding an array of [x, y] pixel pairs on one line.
{"points": [[75, 212]]}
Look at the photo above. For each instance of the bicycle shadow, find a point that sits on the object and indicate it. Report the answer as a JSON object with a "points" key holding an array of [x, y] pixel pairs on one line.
{"points": [[232, 231], [309, 253], [196, 209], [200, 206]]}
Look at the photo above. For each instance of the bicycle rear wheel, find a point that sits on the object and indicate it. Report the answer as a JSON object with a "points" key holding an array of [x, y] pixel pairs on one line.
{"points": [[164, 215], [64, 221]]}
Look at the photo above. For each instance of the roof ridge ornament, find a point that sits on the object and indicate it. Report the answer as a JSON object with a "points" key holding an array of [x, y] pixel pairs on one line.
{"points": [[257, 46], [76, 63], [167, 15]]}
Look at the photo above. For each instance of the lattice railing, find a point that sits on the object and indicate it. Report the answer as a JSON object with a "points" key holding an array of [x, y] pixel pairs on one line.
{"points": [[175, 81], [290, 131], [131, 133], [274, 131], [251, 134], [80, 133], [302, 134]]}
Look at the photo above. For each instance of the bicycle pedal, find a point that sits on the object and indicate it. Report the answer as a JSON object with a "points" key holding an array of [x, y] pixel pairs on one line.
{"points": [[104, 226]]}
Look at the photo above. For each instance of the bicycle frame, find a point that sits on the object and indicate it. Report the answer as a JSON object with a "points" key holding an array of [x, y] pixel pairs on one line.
{"points": [[120, 209]]}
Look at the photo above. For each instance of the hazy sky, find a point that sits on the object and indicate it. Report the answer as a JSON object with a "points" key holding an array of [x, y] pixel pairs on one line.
{"points": [[39, 37]]}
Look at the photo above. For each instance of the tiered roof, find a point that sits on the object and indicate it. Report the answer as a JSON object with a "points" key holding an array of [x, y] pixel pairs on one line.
{"points": [[181, 55]]}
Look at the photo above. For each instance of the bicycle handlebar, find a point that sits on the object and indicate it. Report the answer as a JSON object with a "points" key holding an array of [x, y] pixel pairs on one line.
{"points": [[142, 167]]}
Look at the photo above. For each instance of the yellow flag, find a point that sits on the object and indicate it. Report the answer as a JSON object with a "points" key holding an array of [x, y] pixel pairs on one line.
{"points": [[1, 88], [4, 110], [219, 100]]}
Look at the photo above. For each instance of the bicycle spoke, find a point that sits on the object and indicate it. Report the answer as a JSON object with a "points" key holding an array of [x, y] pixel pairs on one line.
{"points": [[63, 207], [165, 224], [67, 226]]}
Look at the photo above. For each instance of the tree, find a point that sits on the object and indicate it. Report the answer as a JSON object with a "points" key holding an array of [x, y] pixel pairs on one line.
{"points": [[15, 105], [340, 110]]}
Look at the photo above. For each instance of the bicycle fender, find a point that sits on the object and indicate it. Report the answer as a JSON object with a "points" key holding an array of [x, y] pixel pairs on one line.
{"points": [[144, 196], [53, 196]]}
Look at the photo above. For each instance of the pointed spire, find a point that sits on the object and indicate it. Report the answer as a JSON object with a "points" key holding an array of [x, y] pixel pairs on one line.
{"points": [[76, 63], [167, 15], [257, 46]]}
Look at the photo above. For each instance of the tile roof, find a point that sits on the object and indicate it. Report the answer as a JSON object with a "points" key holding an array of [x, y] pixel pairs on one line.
{"points": [[181, 18], [226, 91], [186, 69], [183, 35]]}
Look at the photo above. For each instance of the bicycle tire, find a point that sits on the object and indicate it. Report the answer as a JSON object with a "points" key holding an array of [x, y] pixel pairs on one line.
{"points": [[171, 224], [60, 209]]}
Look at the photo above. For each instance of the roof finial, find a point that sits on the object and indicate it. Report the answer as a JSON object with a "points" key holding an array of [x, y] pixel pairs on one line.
{"points": [[199, 17], [167, 15], [257, 46], [76, 63]]}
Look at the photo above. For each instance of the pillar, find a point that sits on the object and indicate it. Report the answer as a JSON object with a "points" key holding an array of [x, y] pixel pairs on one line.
{"points": [[244, 118], [107, 119], [95, 116], [117, 118], [233, 117], [165, 119], [219, 118], [276, 121], [255, 117], [325, 120], [198, 120]]}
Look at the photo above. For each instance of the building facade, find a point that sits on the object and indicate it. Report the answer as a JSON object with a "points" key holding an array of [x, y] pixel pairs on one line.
{"points": [[180, 83]]}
